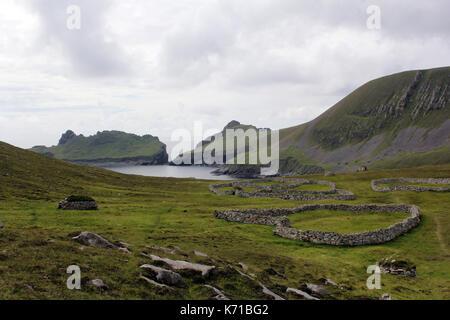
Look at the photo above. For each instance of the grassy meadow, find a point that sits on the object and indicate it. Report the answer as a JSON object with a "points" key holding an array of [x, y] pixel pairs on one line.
{"points": [[36, 246]]}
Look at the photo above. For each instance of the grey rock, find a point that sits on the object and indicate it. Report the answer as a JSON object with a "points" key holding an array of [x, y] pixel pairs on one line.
{"points": [[66, 137], [163, 276], [99, 283], [200, 254], [162, 249], [243, 266], [318, 290], [385, 296], [94, 240], [125, 244], [268, 292], [152, 281], [220, 295], [329, 282], [302, 294], [183, 265]]}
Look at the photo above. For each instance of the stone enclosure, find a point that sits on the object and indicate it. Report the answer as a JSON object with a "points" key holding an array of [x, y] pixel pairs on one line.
{"points": [[277, 218], [281, 188], [77, 205], [376, 187]]}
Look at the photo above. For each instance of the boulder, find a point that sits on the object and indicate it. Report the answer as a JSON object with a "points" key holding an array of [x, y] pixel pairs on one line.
{"points": [[94, 240], [329, 282], [318, 290], [243, 266], [270, 293], [163, 276], [200, 254], [1, 225], [301, 294], [183, 265], [99, 283]]}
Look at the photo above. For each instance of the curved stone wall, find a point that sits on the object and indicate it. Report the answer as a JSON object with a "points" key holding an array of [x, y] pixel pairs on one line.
{"points": [[282, 190], [276, 217], [375, 184]]}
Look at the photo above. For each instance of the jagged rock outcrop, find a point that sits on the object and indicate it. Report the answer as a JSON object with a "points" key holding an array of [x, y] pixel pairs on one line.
{"points": [[400, 117], [162, 275], [66, 137], [302, 294], [182, 265]]}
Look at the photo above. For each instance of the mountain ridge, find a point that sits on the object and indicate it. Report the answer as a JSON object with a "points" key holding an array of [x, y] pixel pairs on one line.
{"points": [[107, 147]]}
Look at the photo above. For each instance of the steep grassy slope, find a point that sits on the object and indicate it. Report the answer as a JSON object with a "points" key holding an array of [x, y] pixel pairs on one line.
{"points": [[36, 249], [407, 112], [107, 146]]}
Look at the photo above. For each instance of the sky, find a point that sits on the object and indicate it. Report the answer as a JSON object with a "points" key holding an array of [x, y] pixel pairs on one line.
{"points": [[157, 66]]}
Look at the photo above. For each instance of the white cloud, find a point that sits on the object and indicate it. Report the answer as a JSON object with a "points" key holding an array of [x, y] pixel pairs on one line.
{"points": [[155, 66]]}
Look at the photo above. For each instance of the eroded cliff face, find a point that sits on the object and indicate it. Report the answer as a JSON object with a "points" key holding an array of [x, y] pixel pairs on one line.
{"points": [[402, 114]]}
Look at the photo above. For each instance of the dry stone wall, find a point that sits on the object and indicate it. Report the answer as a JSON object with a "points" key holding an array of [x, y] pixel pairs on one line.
{"points": [[376, 187], [77, 205], [281, 189], [277, 218]]}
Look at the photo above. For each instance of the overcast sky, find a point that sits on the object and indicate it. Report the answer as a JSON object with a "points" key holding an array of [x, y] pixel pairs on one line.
{"points": [[153, 66]]}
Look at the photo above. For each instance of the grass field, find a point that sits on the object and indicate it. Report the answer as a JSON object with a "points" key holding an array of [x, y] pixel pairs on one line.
{"points": [[36, 249]]}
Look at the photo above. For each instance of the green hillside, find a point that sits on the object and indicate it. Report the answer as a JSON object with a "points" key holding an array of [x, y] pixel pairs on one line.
{"points": [[36, 245], [114, 146], [405, 114]]}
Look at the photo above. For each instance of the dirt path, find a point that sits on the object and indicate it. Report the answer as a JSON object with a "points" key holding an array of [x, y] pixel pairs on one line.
{"points": [[439, 236]]}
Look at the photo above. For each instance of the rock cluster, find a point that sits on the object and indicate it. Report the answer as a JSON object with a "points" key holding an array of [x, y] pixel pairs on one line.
{"points": [[398, 267], [281, 188], [94, 240], [163, 276], [405, 187], [276, 217]]}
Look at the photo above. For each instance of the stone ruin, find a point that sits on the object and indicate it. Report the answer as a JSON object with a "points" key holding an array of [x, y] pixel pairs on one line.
{"points": [[77, 205], [376, 187], [277, 218], [281, 190]]}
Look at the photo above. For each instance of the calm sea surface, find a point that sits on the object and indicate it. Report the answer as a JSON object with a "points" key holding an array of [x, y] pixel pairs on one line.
{"points": [[171, 171]]}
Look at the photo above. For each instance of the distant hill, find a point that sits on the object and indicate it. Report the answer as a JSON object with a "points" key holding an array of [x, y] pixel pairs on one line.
{"points": [[203, 144], [107, 147], [402, 120]]}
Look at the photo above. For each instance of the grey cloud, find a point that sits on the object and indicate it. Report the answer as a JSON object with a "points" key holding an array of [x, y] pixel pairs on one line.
{"points": [[88, 49]]}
